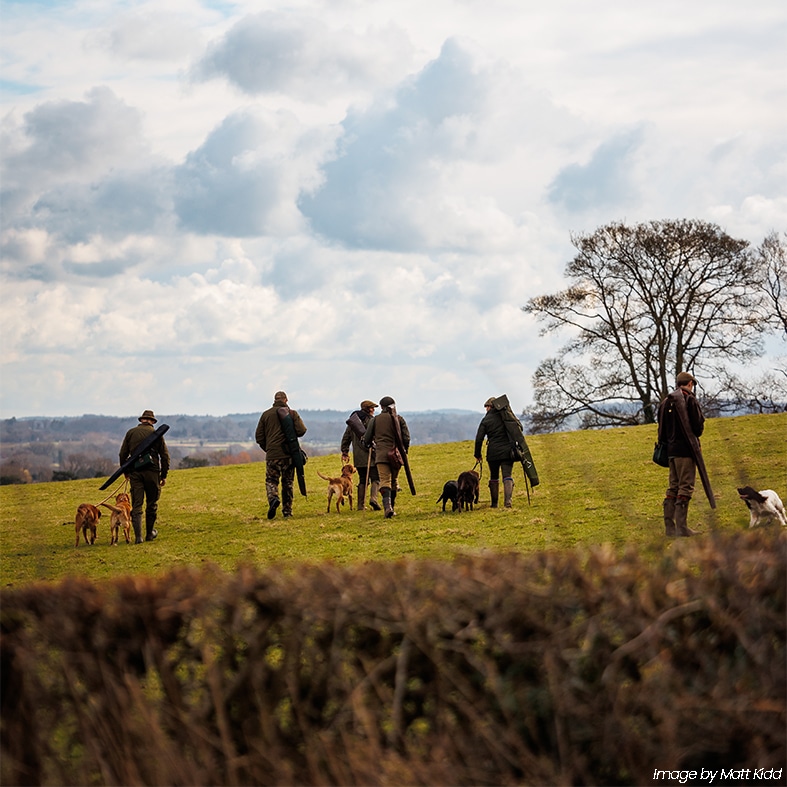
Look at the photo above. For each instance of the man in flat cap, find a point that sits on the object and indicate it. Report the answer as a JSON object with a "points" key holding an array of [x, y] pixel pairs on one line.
{"points": [[353, 435], [278, 462], [681, 423], [147, 476]]}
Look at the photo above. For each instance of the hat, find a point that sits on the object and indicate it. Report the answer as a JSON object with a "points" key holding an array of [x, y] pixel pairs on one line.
{"points": [[280, 397], [490, 402], [367, 403], [387, 401], [684, 378], [148, 414]]}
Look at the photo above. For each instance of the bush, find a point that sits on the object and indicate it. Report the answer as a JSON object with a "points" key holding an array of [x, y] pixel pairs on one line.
{"points": [[555, 668], [190, 462]]}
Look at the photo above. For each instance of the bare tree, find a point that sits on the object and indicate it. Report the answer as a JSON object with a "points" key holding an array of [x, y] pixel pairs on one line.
{"points": [[772, 255], [644, 302], [755, 394], [87, 465]]}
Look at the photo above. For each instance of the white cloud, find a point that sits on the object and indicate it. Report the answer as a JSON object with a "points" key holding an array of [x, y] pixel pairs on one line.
{"points": [[152, 33], [422, 169], [302, 55], [244, 180], [205, 203]]}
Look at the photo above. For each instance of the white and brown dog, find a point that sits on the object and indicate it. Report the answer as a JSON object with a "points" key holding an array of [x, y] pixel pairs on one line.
{"points": [[342, 487], [764, 506]]}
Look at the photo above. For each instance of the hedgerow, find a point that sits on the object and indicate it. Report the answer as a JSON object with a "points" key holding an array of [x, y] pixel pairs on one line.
{"points": [[576, 667]]}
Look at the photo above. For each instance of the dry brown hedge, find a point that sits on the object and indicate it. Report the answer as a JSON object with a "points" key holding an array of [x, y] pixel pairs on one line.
{"points": [[555, 668]]}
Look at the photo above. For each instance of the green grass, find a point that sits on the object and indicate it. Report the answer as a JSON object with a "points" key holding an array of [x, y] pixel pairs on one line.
{"points": [[596, 487]]}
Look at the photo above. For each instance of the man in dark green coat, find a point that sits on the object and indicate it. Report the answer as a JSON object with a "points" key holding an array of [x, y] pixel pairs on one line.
{"points": [[278, 462], [147, 476], [353, 436], [498, 453]]}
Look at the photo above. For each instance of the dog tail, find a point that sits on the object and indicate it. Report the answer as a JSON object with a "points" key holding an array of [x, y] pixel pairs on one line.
{"points": [[113, 509], [324, 477]]}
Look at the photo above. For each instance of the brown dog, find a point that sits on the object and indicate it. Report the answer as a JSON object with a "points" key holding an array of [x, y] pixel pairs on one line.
{"points": [[120, 517], [86, 521], [342, 487]]}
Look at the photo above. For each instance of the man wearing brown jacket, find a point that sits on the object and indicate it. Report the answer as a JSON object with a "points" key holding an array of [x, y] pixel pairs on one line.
{"points": [[278, 462], [682, 458], [381, 432]]}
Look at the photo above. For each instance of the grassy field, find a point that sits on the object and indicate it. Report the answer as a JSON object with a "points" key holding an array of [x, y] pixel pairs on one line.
{"points": [[596, 487]]}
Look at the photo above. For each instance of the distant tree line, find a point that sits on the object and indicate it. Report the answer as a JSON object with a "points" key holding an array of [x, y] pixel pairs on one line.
{"points": [[644, 302], [61, 449]]}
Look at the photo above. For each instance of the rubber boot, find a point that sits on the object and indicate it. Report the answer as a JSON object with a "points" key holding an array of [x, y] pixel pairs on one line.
{"points": [[494, 491], [273, 504], [136, 523], [373, 495], [669, 517], [150, 526], [681, 516], [361, 500], [385, 493], [393, 501], [508, 491]]}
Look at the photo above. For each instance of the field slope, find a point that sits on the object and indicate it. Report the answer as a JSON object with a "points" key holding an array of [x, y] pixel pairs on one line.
{"points": [[596, 487]]}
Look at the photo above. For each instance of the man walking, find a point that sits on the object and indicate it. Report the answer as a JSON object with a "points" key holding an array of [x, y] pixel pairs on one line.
{"points": [[278, 461], [146, 477], [498, 454], [386, 432], [681, 423], [353, 435]]}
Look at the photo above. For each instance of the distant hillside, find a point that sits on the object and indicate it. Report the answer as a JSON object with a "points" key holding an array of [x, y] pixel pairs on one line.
{"points": [[44, 449], [325, 427]]}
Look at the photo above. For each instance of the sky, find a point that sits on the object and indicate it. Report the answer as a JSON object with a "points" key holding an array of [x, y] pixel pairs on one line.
{"points": [[205, 202]]}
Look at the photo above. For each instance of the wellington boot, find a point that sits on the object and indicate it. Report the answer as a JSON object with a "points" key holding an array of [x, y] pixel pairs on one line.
{"points": [[669, 517], [136, 523], [385, 493], [508, 491], [494, 492], [273, 504], [361, 500], [681, 517], [150, 527], [373, 502]]}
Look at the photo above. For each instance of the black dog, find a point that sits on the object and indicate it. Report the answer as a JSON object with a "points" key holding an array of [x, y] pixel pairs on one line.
{"points": [[467, 484], [450, 492]]}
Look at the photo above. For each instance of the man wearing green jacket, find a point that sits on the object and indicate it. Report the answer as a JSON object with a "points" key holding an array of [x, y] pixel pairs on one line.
{"points": [[278, 462], [147, 476], [498, 454]]}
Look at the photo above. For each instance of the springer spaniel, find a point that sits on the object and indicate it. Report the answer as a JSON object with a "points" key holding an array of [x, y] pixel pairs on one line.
{"points": [[764, 506]]}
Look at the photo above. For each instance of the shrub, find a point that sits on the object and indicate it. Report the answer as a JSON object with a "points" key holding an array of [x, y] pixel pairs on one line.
{"points": [[554, 668]]}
